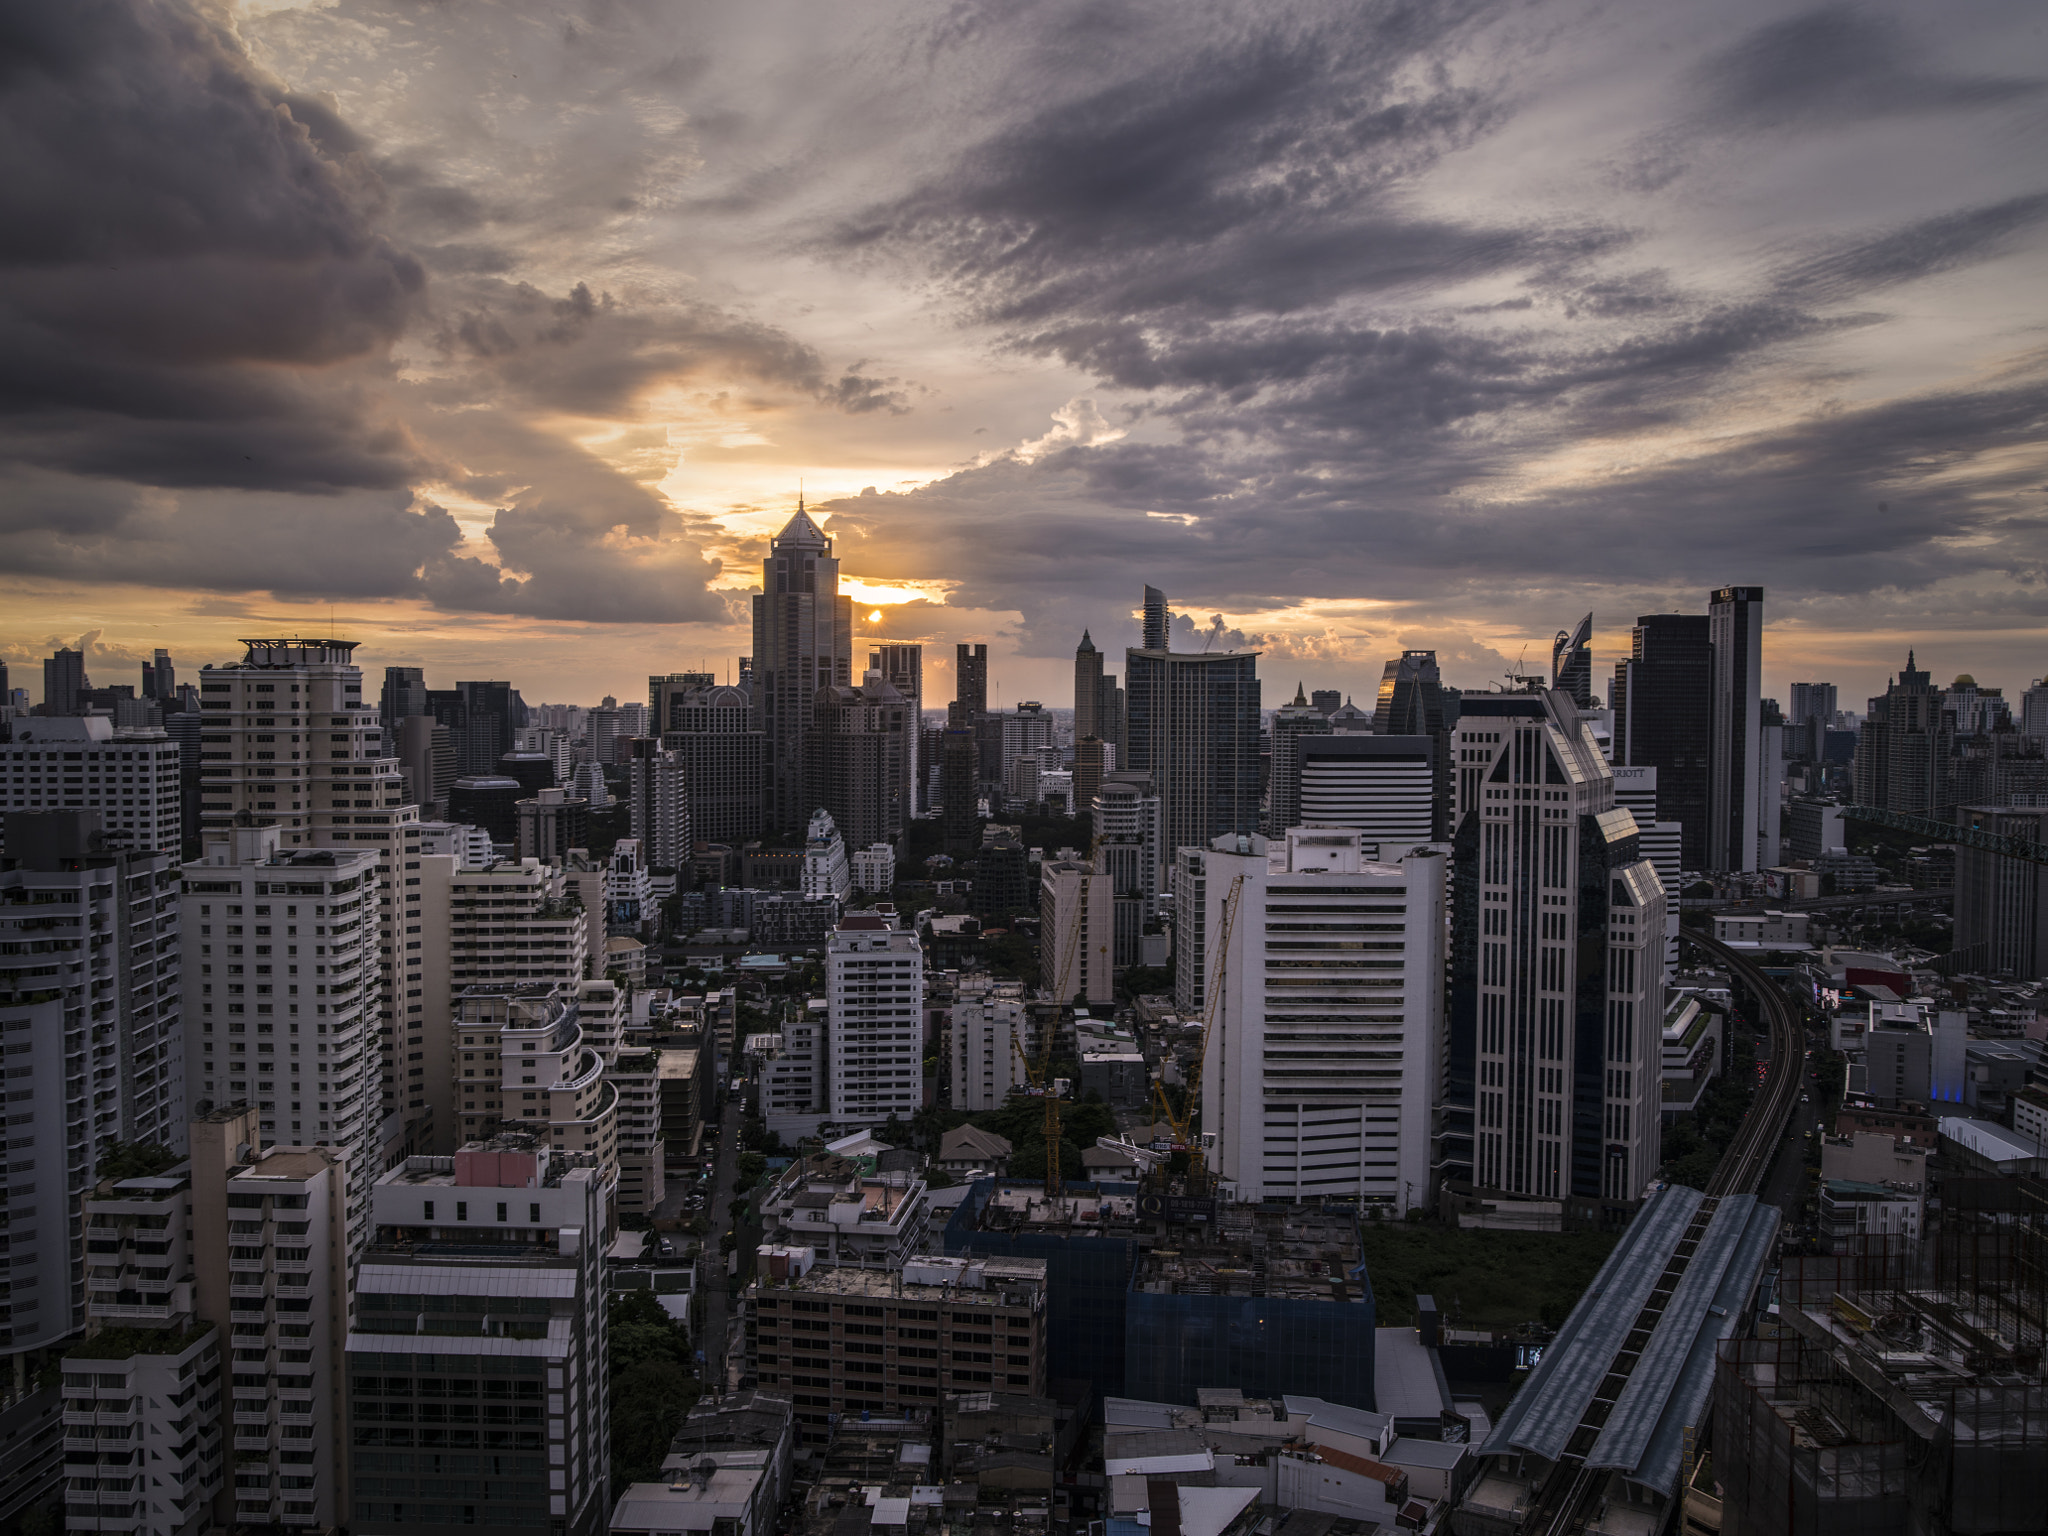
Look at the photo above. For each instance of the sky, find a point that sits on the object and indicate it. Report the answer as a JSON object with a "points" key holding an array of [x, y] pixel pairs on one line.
{"points": [[499, 335]]}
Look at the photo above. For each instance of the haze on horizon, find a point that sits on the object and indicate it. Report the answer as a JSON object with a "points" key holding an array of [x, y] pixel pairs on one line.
{"points": [[505, 332]]}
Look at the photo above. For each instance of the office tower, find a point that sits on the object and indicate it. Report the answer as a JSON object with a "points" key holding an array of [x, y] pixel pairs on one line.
{"points": [[1027, 731], [1076, 932], [551, 823], [490, 801], [1323, 1049], [505, 1242], [671, 692], [826, 871], [1811, 701], [2001, 903], [1349, 720], [1091, 761], [604, 732], [1414, 702], [159, 679], [147, 1350], [1635, 791], [484, 732], [1087, 689], [302, 749], [2033, 711], [426, 752], [803, 641], [861, 738], [1663, 719], [1190, 886], [64, 680], [6, 693], [276, 1252], [183, 728], [902, 667], [89, 1013], [991, 1035], [1193, 726], [1325, 700], [404, 695], [1571, 662], [1291, 723], [1768, 752], [1903, 752], [1735, 621], [1557, 938], [280, 991], [1110, 715], [874, 991], [1126, 820], [83, 763], [1156, 623], [588, 781], [1382, 787], [660, 803], [970, 686], [532, 771], [960, 810], [715, 733]]}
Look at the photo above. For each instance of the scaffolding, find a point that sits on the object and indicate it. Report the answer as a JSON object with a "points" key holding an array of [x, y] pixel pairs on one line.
{"points": [[1901, 1392]]}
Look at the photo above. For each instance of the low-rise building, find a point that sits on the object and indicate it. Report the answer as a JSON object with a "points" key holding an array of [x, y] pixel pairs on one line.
{"points": [[1692, 1052], [1852, 1209], [1765, 928], [967, 1149], [825, 1203]]}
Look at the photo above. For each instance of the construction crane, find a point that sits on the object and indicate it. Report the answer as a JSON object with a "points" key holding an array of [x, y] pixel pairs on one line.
{"points": [[1181, 1121], [1039, 1073]]}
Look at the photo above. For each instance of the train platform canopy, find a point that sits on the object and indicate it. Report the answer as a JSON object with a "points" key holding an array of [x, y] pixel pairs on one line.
{"points": [[1644, 1432]]}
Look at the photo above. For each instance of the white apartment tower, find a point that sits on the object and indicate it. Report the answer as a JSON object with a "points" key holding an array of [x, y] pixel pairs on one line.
{"points": [[1076, 931], [73, 762], [1322, 1065], [281, 991], [990, 1027], [1556, 967], [874, 992]]}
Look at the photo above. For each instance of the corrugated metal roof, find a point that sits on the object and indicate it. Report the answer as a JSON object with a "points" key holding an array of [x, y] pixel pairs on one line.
{"points": [[1544, 1413], [452, 1280]]}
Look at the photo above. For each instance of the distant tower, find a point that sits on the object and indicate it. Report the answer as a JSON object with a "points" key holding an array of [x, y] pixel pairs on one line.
{"points": [[1571, 663], [1087, 689], [1291, 722], [1735, 624], [803, 641], [970, 686], [63, 681], [1158, 621], [903, 666]]}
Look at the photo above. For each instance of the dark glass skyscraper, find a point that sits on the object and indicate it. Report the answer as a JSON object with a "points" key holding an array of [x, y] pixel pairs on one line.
{"points": [[1735, 783], [1663, 719], [803, 641]]}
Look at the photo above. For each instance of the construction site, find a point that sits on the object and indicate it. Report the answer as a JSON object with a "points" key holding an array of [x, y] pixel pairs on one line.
{"points": [[1900, 1391]]}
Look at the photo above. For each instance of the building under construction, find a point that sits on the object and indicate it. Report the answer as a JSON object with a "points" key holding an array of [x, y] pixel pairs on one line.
{"points": [[1902, 1393]]}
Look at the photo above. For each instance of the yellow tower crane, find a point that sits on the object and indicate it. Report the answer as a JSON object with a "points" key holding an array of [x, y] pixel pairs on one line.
{"points": [[1181, 1121]]}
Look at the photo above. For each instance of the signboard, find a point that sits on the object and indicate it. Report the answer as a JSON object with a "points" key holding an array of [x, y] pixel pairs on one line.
{"points": [[1179, 1208]]}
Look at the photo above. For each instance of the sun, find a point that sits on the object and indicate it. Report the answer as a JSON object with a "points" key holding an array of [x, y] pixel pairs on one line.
{"points": [[875, 617]]}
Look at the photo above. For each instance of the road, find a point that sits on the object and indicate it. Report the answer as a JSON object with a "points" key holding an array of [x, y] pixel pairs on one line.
{"points": [[717, 1306]]}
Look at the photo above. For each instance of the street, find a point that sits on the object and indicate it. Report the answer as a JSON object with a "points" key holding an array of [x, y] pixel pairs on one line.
{"points": [[712, 1264]]}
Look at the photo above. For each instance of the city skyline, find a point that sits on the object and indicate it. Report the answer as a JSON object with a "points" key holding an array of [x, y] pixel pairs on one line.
{"points": [[1562, 312]]}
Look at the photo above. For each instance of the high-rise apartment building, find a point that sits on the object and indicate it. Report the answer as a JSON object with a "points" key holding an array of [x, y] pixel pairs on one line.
{"points": [[426, 753], [1076, 932], [803, 641], [959, 793], [274, 1257], [1571, 662], [1189, 884], [83, 763], [1382, 787], [970, 686], [288, 738], [1903, 753], [2034, 711], [1193, 726], [1735, 810], [477, 1352], [902, 667], [1323, 1054], [874, 991], [1663, 719], [1291, 723], [715, 732], [826, 869], [1126, 848], [1556, 970], [660, 805], [991, 1030], [64, 683], [280, 1000], [89, 1026], [861, 739]]}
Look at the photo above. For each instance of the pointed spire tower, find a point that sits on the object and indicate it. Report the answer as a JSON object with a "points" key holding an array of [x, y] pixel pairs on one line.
{"points": [[803, 641], [1087, 690]]}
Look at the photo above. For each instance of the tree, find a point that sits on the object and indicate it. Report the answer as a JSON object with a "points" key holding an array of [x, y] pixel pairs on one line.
{"points": [[134, 1160], [652, 1385]]}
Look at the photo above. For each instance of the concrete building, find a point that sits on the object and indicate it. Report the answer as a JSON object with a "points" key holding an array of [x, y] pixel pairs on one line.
{"points": [[2002, 903], [131, 777], [527, 1063], [660, 803], [863, 739], [1189, 881], [1556, 973], [715, 732], [1076, 931], [1663, 844], [826, 1204], [1761, 928], [874, 991], [874, 869], [990, 1027], [843, 1340], [902, 667], [1192, 724], [280, 981], [426, 755], [1694, 1035], [90, 1020], [1291, 723], [1382, 787], [794, 1080], [274, 1251], [643, 1147], [803, 641], [1735, 786], [826, 871], [1325, 1042], [550, 824], [1904, 751], [480, 1311]]}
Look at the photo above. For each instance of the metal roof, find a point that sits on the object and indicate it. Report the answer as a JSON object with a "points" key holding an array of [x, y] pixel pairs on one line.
{"points": [[439, 1280]]}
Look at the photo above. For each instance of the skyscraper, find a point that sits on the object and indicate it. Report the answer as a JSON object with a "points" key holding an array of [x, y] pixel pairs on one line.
{"points": [[1291, 722], [970, 686], [1193, 726], [130, 777], [1323, 1063], [64, 680], [874, 991], [1571, 662], [1126, 845], [1735, 620], [715, 731], [485, 732], [1076, 931], [803, 642], [1663, 719], [1555, 1061], [1903, 752], [1381, 787], [903, 667], [1326, 699], [660, 806], [1414, 702], [1809, 720], [860, 740], [404, 694], [1087, 689], [159, 679], [1157, 632], [959, 799]]}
